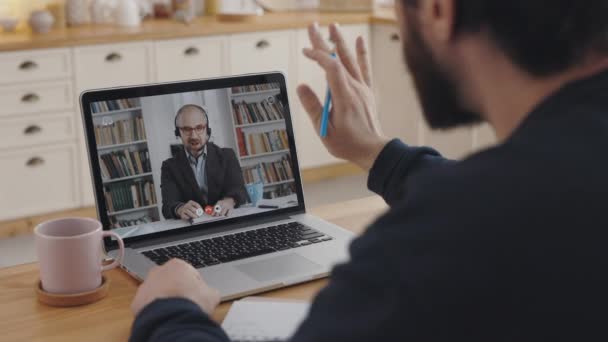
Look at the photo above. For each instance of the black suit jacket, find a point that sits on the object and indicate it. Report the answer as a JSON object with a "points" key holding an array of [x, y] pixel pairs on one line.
{"points": [[224, 179]]}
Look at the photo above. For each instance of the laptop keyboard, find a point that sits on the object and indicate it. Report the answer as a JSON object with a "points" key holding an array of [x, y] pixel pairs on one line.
{"points": [[240, 245]]}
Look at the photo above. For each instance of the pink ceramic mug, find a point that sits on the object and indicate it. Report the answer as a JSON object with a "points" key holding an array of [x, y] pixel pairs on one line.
{"points": [[70, 254]]}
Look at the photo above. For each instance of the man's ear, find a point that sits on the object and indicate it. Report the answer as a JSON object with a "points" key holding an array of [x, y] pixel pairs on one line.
{"points": [[438, 18]]}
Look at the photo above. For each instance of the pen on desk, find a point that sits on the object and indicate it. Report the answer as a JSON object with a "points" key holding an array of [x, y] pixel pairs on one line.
{"points": [[326, 109]]}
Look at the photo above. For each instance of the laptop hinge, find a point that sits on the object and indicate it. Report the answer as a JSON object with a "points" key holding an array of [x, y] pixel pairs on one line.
{"points": [[210, 231]]}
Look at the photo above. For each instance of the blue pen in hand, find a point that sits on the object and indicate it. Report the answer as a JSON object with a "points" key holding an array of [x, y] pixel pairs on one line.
{"points": [[326, 109]]}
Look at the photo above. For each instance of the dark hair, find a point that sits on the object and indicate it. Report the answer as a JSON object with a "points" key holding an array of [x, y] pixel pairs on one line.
{"points": [[543, 37]]}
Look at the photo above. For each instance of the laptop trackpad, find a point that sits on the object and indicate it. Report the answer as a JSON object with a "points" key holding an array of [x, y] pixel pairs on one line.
{"points": [[279, 267]]}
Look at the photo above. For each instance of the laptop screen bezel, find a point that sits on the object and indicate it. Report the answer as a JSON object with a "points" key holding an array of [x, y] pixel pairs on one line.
{"points": [[92, 96]]}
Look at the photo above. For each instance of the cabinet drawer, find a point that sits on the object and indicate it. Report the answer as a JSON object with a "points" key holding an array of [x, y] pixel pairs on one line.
{"points": [[113, 65], [185, 59], [20, 132], [35, 181], [35, 65], [36, 98], [260, 52]]}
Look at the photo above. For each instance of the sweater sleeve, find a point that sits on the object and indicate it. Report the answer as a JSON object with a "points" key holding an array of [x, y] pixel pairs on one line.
{"points": [[175, 319], [397, 165]]}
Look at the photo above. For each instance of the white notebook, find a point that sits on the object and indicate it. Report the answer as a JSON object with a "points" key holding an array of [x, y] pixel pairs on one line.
{"points": [[263, 319]]}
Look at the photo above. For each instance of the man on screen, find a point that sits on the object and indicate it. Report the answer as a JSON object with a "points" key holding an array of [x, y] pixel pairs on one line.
{"points": [[203, 174]]}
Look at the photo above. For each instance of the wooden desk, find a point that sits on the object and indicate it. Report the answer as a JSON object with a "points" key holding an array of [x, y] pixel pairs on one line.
{"points": [[23, 318]]}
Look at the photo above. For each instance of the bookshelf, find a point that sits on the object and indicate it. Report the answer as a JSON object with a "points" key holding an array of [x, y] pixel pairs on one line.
{"points": [[261, 138], [124, 159]]}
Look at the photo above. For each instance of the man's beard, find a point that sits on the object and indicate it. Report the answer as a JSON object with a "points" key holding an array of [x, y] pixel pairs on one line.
{"points": [[437, 92], [196, 150]]}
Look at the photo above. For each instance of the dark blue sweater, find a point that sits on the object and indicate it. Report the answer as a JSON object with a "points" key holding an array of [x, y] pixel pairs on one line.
{"points": [[510, 244]]}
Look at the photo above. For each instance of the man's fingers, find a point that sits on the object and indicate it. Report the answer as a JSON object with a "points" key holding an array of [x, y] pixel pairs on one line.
{"points": [[363, 60], [316, 39], [344, 52], [195, 205], [191, 213], [310, 102], [333, 69]]}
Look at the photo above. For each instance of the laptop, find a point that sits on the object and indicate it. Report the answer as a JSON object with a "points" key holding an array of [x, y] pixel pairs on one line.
{"points": [[207, 171]]}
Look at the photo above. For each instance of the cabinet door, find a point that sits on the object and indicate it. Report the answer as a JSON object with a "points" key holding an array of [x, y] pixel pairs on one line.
{"points": [[35, 181], [186, 59], [311, 152], [103, 66], [42, 97], [35, 65], [396, 98], [260, 52], [36, 130], [484, 137], [112, 65], [399, 108]]}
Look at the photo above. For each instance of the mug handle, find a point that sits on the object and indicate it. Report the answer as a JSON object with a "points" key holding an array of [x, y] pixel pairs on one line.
{"points": [[121, 253]]}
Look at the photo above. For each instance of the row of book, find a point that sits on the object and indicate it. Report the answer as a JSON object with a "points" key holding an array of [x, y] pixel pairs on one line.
{"points": [[248, 113], [121, 223], [129, 195], [269, 172], [255, 87], [120, 132], [124, 163], [112, 105], [280, 191], [251, 144]]}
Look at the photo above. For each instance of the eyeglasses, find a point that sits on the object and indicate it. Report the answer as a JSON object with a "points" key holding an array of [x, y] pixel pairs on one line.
{"points": [[188, 130]]}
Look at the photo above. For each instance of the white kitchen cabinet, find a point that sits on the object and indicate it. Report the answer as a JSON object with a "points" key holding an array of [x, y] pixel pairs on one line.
{"points": [[37, 65], [102, 66], [113, 65], [34, 130], [31, 98], [484, 137], [260, 52], [311, 151], [397, 102], [187, 59], [37, 180]]}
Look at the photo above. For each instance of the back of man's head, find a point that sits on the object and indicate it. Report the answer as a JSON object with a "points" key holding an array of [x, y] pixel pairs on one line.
{"points": [[542, 37]]}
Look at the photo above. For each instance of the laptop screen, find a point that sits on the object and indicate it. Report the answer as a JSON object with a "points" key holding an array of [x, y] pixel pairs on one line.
{"points": [[168, 157]]}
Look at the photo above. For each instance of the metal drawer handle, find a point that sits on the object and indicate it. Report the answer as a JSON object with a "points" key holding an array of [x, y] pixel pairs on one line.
{"points": [[191, 51], [395, 37], [30, 98], [113, 57], [34, 162], [32, 129], [28, 65], [262, 44]]}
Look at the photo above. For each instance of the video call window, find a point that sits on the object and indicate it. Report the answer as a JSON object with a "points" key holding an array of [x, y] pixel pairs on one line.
{"points": [[224, 146]]}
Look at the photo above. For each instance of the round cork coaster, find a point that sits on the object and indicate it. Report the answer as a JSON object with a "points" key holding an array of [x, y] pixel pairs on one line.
{"points": [[74, 299]]}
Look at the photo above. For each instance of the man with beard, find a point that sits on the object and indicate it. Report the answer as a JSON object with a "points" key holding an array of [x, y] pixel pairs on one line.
{"points": [[508, 244], [203, 174]]}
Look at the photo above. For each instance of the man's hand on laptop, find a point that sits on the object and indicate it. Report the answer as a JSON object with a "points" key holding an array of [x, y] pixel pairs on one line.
{"points": [[176, 278], [353, 131], [188, 211]]}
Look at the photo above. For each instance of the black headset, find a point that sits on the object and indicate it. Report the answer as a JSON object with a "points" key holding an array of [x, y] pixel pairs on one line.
{"points": [[179, 112]]}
